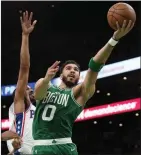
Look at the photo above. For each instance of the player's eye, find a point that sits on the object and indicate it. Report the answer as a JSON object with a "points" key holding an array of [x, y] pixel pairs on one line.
{"points": [[76, 69], [68, 68]]}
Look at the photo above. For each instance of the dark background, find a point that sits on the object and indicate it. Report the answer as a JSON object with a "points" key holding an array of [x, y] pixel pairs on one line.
{"points": [[77, 30]]}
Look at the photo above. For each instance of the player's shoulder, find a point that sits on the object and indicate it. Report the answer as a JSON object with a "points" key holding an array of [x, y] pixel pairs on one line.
{"points": [[51, 85], [32, 107]]}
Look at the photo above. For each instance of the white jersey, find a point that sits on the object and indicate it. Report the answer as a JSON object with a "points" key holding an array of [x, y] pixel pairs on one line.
{"points": [[22, 125]]}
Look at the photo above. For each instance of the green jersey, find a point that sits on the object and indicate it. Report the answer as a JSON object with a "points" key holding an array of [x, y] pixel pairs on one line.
{"points": [[55, 114]]}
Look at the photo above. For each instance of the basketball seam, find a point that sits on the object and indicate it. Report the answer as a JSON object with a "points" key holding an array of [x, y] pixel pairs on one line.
{"points": [[116, 6], [112, 17], [115, 18], [112, 20], [118, 14], [123, 9], [122, 16]]}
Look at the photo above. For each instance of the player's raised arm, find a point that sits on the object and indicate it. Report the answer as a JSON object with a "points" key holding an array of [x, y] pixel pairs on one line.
{"points": [[42, 84], [97, 62], [27, 28]]}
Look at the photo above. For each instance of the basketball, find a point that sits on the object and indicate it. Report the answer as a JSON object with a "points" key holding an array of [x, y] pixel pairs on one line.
{"points": [[120, 12]]}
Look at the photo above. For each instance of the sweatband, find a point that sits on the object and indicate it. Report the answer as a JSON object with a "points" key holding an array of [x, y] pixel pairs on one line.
{"points": [[112, 42], [95, 66]]}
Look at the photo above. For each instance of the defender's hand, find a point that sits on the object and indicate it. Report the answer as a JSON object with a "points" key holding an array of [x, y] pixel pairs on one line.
{"points": [[26, 23], [51, 72], [122, 31], [16, 143]]}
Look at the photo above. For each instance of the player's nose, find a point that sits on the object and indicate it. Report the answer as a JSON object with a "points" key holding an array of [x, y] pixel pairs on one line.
{"points": [[72, 71]]}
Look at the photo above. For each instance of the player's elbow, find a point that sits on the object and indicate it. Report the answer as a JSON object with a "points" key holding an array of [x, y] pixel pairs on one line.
{"points": [[7, 135], [37, 95], [3, 138], [24, 67], [88, 90]]}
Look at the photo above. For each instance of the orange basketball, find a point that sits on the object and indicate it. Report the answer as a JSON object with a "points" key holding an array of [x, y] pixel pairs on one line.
{"points": [[120, 12]]}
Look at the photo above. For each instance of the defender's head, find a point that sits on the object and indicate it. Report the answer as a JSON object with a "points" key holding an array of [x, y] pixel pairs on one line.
{"points": [[28, 95], [70, 73]]}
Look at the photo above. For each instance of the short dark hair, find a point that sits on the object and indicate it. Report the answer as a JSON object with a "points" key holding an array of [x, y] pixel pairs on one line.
{"points": [[69, 62]]}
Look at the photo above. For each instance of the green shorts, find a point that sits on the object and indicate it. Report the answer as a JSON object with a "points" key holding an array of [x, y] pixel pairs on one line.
{"points": [[60, 149]]}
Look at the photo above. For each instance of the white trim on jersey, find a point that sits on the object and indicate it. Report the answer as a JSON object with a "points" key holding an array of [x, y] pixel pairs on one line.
{"points": [[12, 120], [19, 123]]}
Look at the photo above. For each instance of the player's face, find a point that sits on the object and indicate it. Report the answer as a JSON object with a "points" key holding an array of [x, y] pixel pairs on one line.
{"points": [[70, 75], [29, 91]]}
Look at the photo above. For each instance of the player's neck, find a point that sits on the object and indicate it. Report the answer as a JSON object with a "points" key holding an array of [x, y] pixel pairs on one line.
{"points": [[63, 86]]}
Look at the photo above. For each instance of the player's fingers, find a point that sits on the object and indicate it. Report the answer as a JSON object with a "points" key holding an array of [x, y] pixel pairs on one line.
{"points": [[124, 24], [55, 64], [34, 23], [129, 24], [30, 16], [21, 20], [117, 24], [132, 25], [54, 69], [26, 15]]}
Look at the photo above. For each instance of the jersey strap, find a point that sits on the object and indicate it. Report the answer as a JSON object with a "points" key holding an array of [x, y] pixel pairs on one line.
{"points": [[20, 120]]}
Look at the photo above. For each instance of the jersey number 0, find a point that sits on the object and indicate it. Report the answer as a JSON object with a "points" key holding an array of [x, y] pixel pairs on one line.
{"points": [[50, 117]]}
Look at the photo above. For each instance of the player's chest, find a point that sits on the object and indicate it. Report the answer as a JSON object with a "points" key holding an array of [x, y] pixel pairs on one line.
{"points": [[57, 98], [29, 115]]}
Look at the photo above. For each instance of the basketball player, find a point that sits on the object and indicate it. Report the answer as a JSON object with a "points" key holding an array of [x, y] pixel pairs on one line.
{"points": [[58, 107], [27, 136], [23, 95]]}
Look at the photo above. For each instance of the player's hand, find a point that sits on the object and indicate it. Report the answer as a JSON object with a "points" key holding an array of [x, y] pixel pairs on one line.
{"points": [[123, 30], [26, 23], [51, 72], [16, 143]]}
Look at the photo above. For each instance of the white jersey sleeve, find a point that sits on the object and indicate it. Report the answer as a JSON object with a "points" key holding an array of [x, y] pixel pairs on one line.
{"points": [[9, 145]]}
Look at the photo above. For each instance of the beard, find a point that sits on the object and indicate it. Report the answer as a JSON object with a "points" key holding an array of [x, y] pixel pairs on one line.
{"points": [[32, 100], [29, 100], [69, 84], [26, 103]]}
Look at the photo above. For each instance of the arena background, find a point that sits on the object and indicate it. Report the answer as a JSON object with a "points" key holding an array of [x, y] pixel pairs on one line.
{"points": [[77, 30]]}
